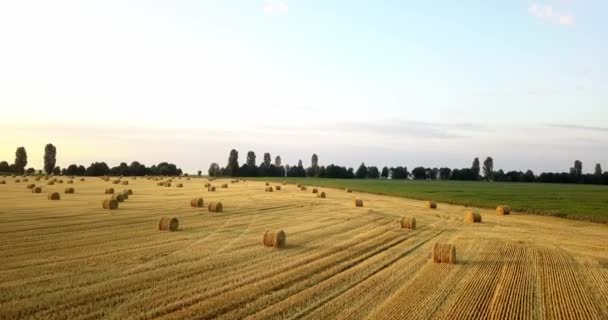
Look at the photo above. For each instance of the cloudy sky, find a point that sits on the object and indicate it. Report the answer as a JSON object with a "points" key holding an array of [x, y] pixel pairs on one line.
{"points": [[432, 83]]}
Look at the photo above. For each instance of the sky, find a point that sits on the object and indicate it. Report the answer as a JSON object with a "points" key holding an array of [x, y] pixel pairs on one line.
{"points": [[412, 83]]}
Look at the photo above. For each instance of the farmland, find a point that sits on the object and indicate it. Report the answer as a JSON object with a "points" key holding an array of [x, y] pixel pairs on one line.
{"points": [[72, 259]]}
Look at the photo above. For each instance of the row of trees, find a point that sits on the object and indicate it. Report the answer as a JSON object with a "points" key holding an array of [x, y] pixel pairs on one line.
{"points": [[95, 169]]}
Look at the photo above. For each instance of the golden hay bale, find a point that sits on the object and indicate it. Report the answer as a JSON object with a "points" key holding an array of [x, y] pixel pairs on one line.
{"points": [[179, 185], [128, 192], [211, 188], [267, 183], [118, 197], [408, 223], [81, 179], [472, 217], [46, 177], [503, 210], [170, 180], [109, 191], [54, 196], [37, 179], [299, 185], [50, 183], [17, 180], [26, 180], [207, 185], [36, 190], [358, 203], [315, 190], [321, 195], [444, 253], [160, 184], [431, 204], [274, 239], [2, 182], [167, 223], [116, 181], [348, 190], [125, 195], [31, 185], [225, 185], [70, 182], [167, 184], [197, 202], [110, 204], [303, 188], [278, 188], [69, 190], [215, 206], [125, 183], [268, 189]]}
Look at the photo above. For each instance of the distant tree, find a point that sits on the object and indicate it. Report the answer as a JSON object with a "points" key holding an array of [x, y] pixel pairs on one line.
{"points": [[488, 168], [233, 163], [98, 169], [20, 160], [384, 173], [373, 172], [4, 167], [529, 176], [30, 170], [578, 169], [433, 173], [499, 175], [214, 170], [267, 159], [361, 172], [444, 173], [50, 158], [81, 170], [314, 165], [71, 170], [598, 169], [251, 159], [475, 169], [399, 173], [301, 170], [277, 161], [419, 173], [199, 173], [57, 171]]}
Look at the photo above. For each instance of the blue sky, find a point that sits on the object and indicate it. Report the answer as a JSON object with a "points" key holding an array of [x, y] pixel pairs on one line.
{"points": [[432, 83]]}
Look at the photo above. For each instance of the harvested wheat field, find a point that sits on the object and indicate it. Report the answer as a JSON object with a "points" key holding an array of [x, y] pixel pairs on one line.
{"points": [[71, 259]]}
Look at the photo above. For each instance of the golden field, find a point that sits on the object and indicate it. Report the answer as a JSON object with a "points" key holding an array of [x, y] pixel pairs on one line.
{"points": [[72, 259]]}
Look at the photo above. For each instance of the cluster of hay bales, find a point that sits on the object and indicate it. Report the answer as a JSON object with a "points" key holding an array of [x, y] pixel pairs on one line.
{"points": [[321, 195], [444, 253], [31, 185], [503, 210], [168, 224], [431, 204], [36, 190], [268, 189], [274, 239], [348, 190], [472, 217], [109, 191], [54, 196], [224, 185], [408, 223], [197, 202], [358, 203], [211, 189], [110, 204], [315, 190], [215, 206], [69, 190]]}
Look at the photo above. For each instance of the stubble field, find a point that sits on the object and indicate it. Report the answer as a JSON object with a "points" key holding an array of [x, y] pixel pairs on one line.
{"points": [[71, 259]]}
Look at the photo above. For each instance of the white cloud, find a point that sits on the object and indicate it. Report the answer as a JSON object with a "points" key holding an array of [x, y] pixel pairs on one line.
{"points": [[546, 12], [275, 7]]}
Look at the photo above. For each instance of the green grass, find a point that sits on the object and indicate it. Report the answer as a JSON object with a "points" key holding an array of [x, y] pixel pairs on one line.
{"points": [[585, 202]]}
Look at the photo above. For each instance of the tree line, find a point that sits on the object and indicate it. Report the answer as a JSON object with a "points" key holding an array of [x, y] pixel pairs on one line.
{"points": [[477, 171], [95, 169]]}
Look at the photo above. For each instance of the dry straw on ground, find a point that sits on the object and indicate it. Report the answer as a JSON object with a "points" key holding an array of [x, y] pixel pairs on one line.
{"points": [[125, 183], [110, 204], [69, 190], [54, 196], [408, 223], [431, 204], [472, 217], [358, 203], [168, 224], [444, 253], [197, 202], [503, 210], [268, 189], [274, 239], [109, 191], [215, 206]]}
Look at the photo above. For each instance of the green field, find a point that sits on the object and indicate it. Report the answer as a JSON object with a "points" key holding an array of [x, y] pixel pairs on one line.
{"points": [[587, 202]]}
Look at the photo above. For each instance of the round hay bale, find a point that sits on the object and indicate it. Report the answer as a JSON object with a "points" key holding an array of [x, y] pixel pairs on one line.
{"points": [[349, 190], [444, 253], [267, 183], [225, 185], [60, 181], [31, 185], [278, 188], [358, 203], [207, 185], [197, 202], [168, 224], [215, 206], [303, 188], [128, 192], [50, 183], [26, 180], [109, 191], [269, 189], [503, 210], [125, 183], [2, 182], [17, 180], [274, 239], [321, 195], [69, 190], [167, 184], [408, 223], [160, 184], [36, 190], [179, 185], [125, 195], [81, 179], [37, 179], [299, 185], [70, 182], [472, 217], [211, 188], [54, 196], [315, 190], [116, 181], [110, 204], [431, 204], [118, 197]]}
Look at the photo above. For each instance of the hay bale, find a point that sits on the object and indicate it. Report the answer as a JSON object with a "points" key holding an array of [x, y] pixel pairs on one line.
{"points": [[444, 253], [109, 191], [303, 188], [128, 192], [36, 190], [167, 184], [321, 195], [274, 239], [125, 195], [168, 224], [118, 197], [69, 190], [82, 179], [472, 217], [431, 204], [211, 189], [37, 179], [215, 206], [349, 190], [125, 183], [2, 182], [160, 184], [207, 185], [54, 196], [179, 185], [268, 189], [299, 185], [503, 210], [110, 204], [197, 202], [278, 188], [70, 182], [59, 181], [267, 183], [31, 185], [116, 181], [225, 185], [408, 223], [315, 190], [358, 203], [50, 183]]}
